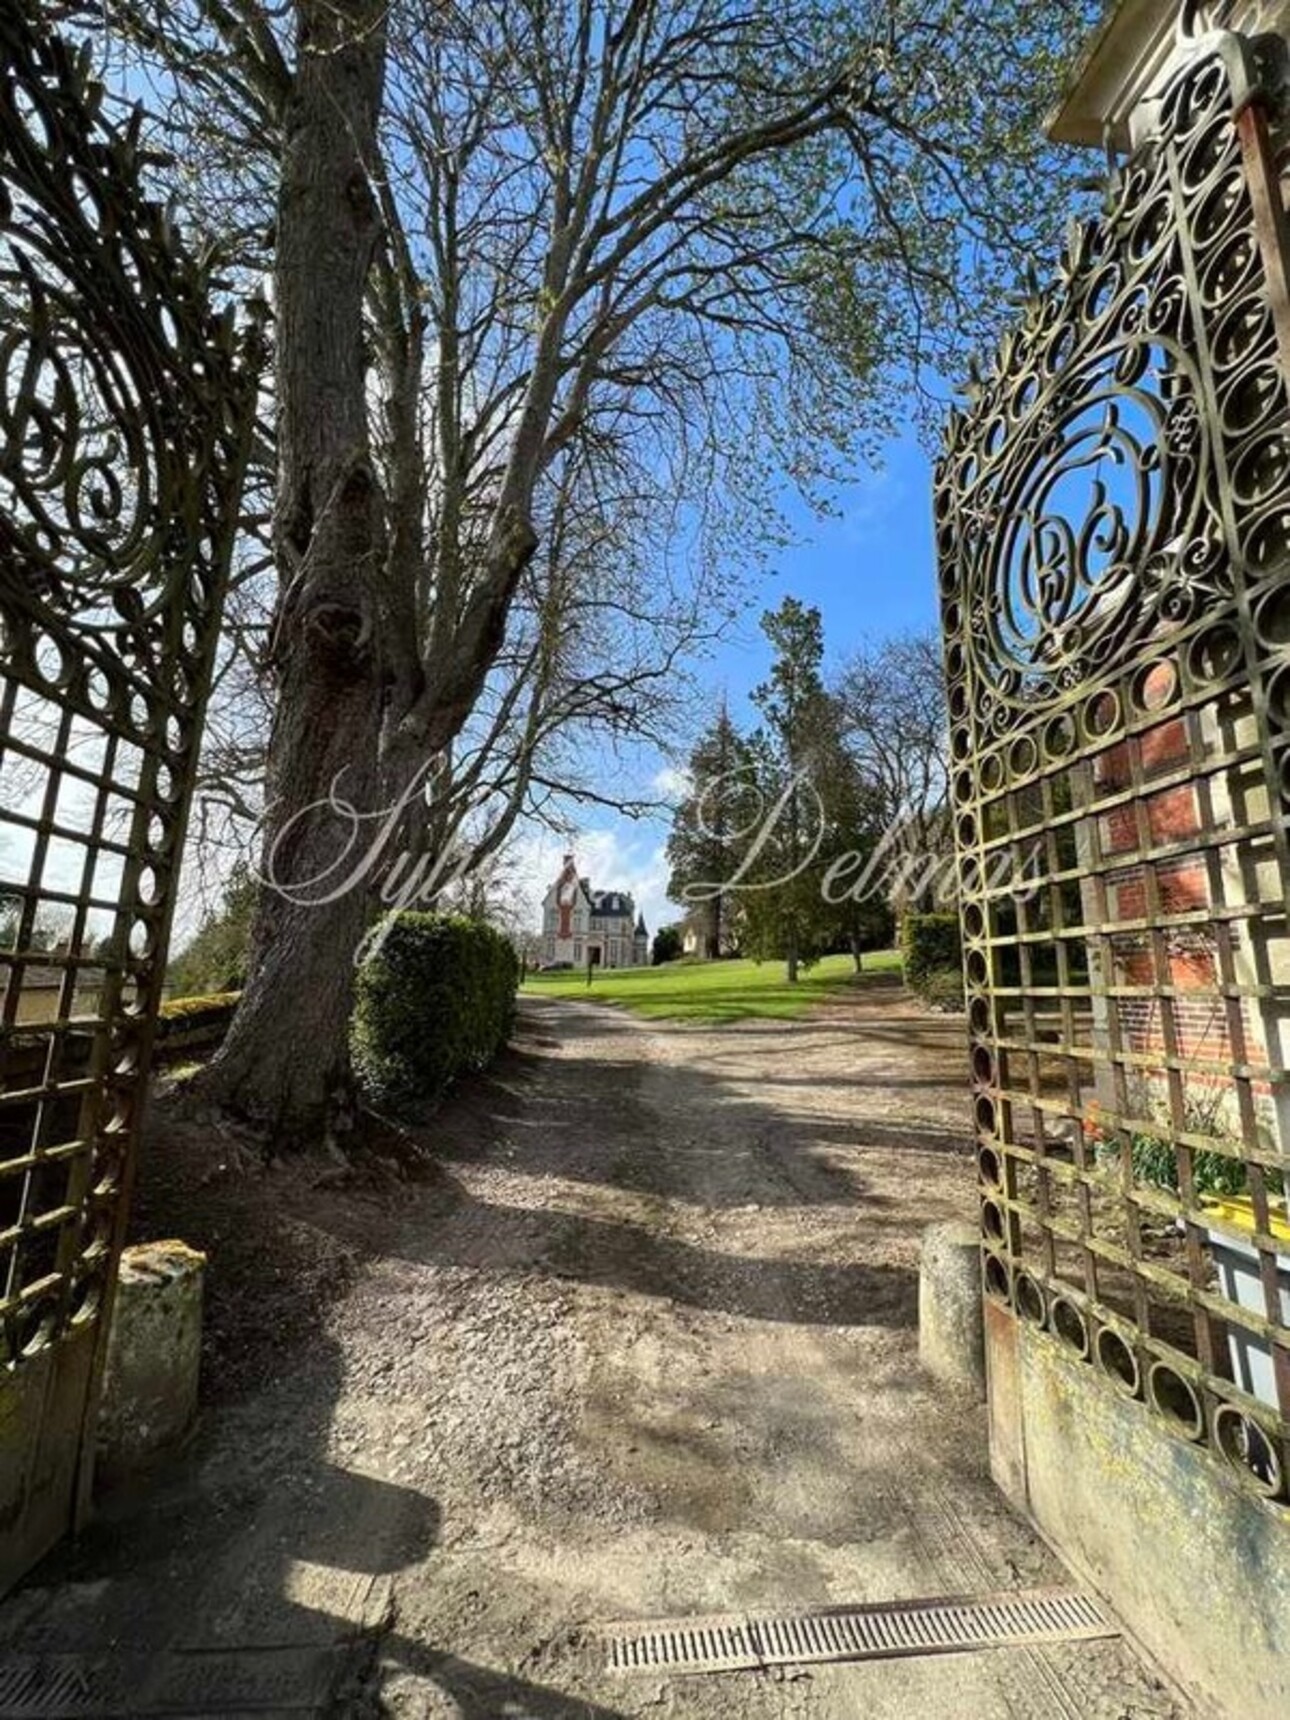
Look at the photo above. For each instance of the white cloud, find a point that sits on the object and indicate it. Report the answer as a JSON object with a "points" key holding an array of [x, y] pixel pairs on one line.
{"points": [[618, 856], [671, 784], [871, 503]]}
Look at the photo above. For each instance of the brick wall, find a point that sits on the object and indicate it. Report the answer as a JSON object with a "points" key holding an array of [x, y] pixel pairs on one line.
{"points": [[1184, 960]]}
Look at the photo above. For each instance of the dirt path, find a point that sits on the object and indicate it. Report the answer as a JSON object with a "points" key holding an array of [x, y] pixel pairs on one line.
{"points": [[647, 1346]]}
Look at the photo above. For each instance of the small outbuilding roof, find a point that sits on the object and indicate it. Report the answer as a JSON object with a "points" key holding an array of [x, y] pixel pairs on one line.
{"points": [[1126, 58]]}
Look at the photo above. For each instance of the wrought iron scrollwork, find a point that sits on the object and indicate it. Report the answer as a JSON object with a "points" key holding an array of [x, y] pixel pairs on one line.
{"points": [[1086, 490], [122, 399], [126, 406], [1113, 533]]}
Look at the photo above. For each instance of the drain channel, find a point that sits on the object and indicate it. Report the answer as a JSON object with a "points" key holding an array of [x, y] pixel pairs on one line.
{"points": [[728, 1642], [107, 1686]]}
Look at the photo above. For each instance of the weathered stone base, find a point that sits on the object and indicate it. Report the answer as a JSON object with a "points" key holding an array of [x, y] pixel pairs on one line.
{"points": [[150, 1383], [1196, 1566], [950, 1341]]}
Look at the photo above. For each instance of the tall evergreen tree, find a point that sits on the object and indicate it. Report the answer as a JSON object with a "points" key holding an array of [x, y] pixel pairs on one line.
{"points": [[787, 914], [710, 829], [855, 911]]}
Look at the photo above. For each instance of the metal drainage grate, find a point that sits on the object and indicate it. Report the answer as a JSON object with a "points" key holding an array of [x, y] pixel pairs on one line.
{"points": [[727, 1642], [129, 1686]]}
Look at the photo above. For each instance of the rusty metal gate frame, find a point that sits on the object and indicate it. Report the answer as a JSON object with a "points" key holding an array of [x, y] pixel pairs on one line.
{"points": [[1113, 529], [126, 408]]}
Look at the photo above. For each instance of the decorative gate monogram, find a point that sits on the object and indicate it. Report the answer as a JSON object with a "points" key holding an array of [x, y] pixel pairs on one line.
{"points": [[1113, 527], [125, 409]]}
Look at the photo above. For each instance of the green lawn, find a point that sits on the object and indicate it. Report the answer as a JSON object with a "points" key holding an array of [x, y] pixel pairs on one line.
{"points": [[714, 991]]}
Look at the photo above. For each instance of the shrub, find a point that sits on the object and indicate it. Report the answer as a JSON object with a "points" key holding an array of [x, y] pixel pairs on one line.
{"points": [[436, 1000], [942, 988], [931, 948], [1155, 1162], [1213, 1173], [668, 945]]}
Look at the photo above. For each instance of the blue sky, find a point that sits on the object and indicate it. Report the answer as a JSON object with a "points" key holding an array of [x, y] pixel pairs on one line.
{"points": [[870, 571]]}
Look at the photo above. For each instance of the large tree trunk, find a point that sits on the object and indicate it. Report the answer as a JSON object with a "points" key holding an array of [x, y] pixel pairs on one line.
{"points": [[713, 940], [285, 1059]]}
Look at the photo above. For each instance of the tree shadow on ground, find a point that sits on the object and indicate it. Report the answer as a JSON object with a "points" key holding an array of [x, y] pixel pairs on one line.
{"points": [[638, 1259], [261, 1535], [678, 1142], [483, 1693], [714, 1142], [883, 1083], [254, 1562]]}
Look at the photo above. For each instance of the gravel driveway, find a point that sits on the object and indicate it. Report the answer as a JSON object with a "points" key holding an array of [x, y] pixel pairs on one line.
{"points": [[645, 1344]]}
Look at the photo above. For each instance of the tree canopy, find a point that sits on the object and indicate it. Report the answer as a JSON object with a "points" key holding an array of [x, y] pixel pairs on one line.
{"points": [[564, 295]]}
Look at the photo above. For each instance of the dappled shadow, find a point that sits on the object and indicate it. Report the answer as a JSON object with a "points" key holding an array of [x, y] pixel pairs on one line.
{"points": [[484, 1693], [645, 1261], [253, 1563], [876, 1083], [582, 1101], [597, 1153], [680, 1130]]}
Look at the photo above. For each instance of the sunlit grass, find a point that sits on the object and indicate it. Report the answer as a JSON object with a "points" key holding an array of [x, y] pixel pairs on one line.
{"points": [[715, 991]]}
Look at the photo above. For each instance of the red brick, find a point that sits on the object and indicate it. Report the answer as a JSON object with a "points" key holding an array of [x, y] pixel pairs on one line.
{"points": [[1130, 894], [1120, 830], [1191, 970], [1184, 885], [1164, 746], [1172, 814]]}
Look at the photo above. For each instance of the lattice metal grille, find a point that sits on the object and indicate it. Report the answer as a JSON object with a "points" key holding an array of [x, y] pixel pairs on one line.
{"points": [[1113, 518], [124, 415], [727, 1642]]}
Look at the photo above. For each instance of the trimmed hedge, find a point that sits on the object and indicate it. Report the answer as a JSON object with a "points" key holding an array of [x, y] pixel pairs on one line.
{"points": [[931, 948], [942, 988], [436, 1000]]}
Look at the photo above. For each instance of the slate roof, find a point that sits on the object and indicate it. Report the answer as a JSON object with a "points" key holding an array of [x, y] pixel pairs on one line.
{"points": [[613, 904]]}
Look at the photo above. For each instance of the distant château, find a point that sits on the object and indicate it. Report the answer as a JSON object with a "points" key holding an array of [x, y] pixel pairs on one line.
{"points": [[581, 925]]}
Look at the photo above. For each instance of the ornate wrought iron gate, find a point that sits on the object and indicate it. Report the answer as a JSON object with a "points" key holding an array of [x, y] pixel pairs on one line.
{"points": [[125, 408], [1113, 520]]}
